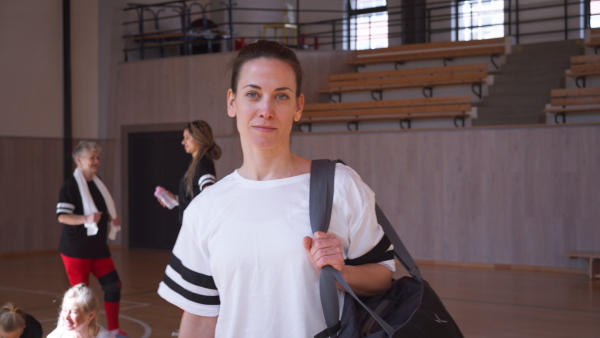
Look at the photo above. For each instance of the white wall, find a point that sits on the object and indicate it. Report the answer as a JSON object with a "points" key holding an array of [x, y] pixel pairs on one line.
{"points": [[31, 68], [31, 75], [84, 67]]}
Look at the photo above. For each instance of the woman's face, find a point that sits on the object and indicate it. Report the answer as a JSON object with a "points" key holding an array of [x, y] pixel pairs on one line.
{"points": [[74, 319], [265, 104], [89, 162], [191, 146]]}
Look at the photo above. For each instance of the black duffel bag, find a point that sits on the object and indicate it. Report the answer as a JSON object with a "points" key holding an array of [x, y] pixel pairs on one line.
{"points": [[410, 308]]}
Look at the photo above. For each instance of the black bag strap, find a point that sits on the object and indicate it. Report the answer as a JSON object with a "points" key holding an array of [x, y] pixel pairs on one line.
{"points": [[322, 179], [320, 205]]}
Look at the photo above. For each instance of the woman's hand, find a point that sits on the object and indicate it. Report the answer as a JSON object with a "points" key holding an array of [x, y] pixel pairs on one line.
{"points": [[116, 221], [170, 194], [365, 280], [92, 218], [324, 249]]}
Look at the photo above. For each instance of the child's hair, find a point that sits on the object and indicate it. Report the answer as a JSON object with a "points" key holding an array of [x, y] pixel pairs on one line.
{"points": [[86, 302], [12, 318]]}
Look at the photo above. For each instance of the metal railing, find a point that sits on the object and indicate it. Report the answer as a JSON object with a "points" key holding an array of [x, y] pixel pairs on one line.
{"points": [[169, 25]]}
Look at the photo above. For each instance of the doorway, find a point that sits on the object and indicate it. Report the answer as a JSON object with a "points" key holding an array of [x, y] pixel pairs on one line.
{"points": [[154, 158]]}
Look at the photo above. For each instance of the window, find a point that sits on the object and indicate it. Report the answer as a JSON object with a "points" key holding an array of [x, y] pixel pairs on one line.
{"points": [[480, 19], [371, 24], [595, 13]]}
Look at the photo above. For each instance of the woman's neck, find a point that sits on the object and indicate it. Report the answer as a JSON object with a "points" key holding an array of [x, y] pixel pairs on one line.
{"points": [[87, 175], [81, 332], [267, 166]]}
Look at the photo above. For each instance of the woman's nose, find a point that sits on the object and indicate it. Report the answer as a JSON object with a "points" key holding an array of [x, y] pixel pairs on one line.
{"points": [[266, 109]]}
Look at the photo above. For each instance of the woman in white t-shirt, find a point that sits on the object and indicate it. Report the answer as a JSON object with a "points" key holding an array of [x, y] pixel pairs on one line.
{"points": [[79, 315], [246, 263]]}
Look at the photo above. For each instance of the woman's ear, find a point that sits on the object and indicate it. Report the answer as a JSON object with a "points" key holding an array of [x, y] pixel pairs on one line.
{"points": [[299, 108], [230, 101], [91, 316]]}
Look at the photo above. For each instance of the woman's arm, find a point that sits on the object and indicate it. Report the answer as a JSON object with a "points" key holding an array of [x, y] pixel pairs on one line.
{"points": [[365, 280], [193, 326], [368, 279], [72, 219]]}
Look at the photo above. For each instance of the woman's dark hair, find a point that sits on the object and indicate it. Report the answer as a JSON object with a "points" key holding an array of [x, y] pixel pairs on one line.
{"points": [[268, 50], [201, 133]]}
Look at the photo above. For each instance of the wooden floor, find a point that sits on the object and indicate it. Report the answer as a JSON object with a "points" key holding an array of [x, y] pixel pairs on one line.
{"points": [[484, 302]]}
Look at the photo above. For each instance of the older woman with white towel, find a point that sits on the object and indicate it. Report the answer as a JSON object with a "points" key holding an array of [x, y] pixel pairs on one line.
{"points": [[87, 212]]}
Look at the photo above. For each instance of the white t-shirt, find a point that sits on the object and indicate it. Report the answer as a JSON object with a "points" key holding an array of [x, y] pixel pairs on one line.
{"points": [[239, 253], [61, 332]]}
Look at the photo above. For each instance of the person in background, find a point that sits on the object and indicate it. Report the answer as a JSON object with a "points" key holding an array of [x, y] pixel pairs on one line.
{"points": [[197, 141], [79, 315], [246, 263], [16, 323], [88, 215]]}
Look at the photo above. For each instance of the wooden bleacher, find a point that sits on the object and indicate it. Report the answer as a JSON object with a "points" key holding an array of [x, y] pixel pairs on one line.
{"points": [[592, 39], [457, 107], [435, 50], [593, 258], [573, 100], [426, 78], [583, 66], [352, 113], [582, 100]]}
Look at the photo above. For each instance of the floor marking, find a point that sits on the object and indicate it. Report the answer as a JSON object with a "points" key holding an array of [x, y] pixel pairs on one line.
{"points": [[41, 292], [147, 328]]}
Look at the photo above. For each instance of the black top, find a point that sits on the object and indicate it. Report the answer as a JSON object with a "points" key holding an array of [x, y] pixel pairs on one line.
{"points": [[205, 175], [33, 328], [74, 241]]}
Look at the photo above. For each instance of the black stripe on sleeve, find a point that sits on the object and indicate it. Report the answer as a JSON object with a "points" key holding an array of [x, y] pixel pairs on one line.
{"points": [[379, 253], [191, 276], [194, 297]]}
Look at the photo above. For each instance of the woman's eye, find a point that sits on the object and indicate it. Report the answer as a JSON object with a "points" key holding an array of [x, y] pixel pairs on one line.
{"points": [[282, 96], [252, 95]]}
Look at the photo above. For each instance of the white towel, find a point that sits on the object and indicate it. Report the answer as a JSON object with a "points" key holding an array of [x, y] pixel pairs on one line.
{"points": [[89, 206]]}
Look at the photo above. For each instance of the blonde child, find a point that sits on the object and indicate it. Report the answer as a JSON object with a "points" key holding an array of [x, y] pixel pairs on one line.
{"points": [[79, 315]]}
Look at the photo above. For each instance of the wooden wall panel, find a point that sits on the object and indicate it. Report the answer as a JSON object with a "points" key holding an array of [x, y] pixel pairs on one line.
{"points": [[523, 196], [29, 184]]}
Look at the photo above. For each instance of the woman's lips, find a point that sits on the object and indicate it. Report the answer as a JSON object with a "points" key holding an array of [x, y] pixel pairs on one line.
{"points": [[264, 128]]}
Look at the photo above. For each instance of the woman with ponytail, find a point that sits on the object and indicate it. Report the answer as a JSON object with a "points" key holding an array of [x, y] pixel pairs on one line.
{"points": [[197, 141], [15, 323]]}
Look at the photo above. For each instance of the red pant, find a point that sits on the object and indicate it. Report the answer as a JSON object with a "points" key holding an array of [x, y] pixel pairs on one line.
{"points": [[78, 271]]}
